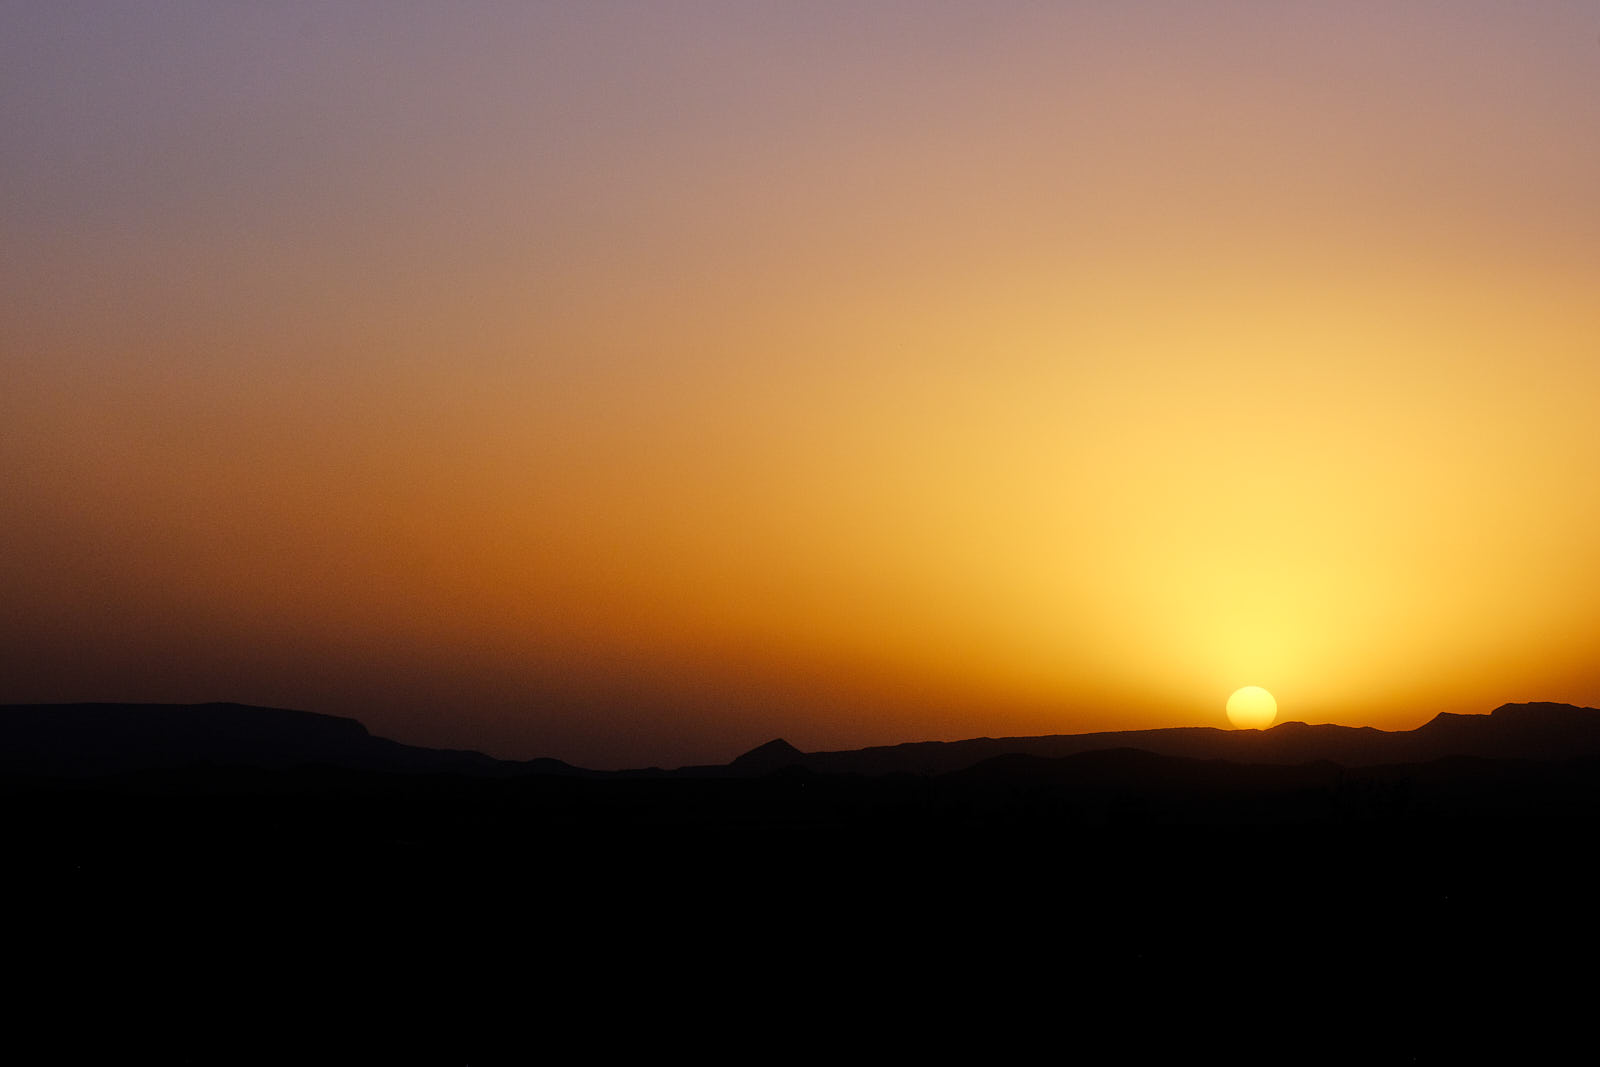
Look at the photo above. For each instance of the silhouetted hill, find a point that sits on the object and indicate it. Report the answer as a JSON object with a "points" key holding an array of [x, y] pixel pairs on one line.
{"points": [[772, 756], [1540, 731], [1536, 731]]}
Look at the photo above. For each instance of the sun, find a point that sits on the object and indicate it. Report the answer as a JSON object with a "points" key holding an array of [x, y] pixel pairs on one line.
{"points": [[1252, 708]]}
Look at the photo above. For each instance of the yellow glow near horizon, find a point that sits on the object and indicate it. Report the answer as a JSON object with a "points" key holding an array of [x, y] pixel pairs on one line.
{"points": [[1252, 708]]}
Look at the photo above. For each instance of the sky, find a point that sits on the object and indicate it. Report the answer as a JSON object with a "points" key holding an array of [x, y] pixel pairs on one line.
{"points": [[634, 383]]}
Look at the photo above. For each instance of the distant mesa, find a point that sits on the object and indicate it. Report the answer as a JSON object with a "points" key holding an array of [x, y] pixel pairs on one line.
{"points": [[72, 740]]}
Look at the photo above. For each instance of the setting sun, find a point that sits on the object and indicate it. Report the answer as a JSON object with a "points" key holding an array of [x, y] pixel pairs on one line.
{"points": [[1252, 708]]}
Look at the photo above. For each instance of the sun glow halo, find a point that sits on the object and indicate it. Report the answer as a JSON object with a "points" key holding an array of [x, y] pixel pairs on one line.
{"points": [[1252, 708]]}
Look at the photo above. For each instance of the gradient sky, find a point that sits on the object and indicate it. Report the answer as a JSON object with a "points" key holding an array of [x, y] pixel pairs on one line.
{"points": [[635, 383]]}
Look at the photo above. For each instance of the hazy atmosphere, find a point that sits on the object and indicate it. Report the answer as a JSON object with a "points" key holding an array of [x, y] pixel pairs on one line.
{"points": [[635, 383]]}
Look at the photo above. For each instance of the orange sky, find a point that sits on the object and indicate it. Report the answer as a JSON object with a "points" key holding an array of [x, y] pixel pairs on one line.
{"points": [[636, 383]]}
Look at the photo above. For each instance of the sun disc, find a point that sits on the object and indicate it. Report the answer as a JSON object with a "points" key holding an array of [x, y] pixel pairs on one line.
{"points": [[1252, 708]]}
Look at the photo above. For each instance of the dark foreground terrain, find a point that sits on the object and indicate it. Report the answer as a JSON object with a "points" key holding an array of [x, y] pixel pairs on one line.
{"points": [[226, 883]]}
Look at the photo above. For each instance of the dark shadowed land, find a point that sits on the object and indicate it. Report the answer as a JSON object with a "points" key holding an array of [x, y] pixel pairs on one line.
{"points": [[222, 861]]}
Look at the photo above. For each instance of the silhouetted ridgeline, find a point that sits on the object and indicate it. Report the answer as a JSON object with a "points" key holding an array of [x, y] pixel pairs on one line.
{"points": [[94, 739], [1538, 731], [72, 740], [1522, 758], [69, 740]]}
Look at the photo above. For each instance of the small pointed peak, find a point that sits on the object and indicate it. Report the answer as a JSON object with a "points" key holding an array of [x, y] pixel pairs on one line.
{"points": [[775, 747], [773, 754]]}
